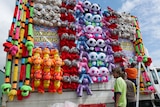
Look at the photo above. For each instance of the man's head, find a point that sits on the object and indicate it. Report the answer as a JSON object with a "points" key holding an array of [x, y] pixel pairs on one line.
{"points": [[117, 72], [124, 75], [133, 64]]}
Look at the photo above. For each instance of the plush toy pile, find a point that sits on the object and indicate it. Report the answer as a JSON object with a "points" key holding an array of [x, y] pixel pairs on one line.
{"points": [[56, 45]]}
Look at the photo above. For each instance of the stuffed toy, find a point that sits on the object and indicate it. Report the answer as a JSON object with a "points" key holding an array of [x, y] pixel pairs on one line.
{"points": [[66, 81], [95, 8], [7, 46], [149, 61], [116, 46], [83, 54], [101, 60], [25, 89], [89, 29], [83, 65], [6, 88], [98, 32], [47, 63], [118, 57], [71, 4], [64, 36], [79, 7], [145, 76], [46, 53], [103, 74], [63, 16], [37, 52], [152, 89], [57, 75], [84, 86], [65, 52], [74, 78], [64, 3], [97, 20], [81, 43], [74, 81], [72, 37], [55, 2], [94, 73], [115, 33], [36, 72], [74, 53], [91, 42], [67, 66], [110, 61], [84, 75], [86, 6], [88, 19], [13, 50], [81, 19], [29, 45], [92, 61], [66, 78], [74, 67], [100, 45]]}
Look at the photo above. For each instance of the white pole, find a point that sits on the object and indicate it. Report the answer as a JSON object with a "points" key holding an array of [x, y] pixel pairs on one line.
{"points": [[138, 83]]}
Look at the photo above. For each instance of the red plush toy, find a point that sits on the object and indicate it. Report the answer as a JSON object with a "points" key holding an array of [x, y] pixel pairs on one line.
{"points": [[71, 4], [70, 16], [7, 46]]}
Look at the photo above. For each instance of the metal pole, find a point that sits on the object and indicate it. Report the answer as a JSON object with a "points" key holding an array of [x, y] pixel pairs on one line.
{"points": [[138, 83]]}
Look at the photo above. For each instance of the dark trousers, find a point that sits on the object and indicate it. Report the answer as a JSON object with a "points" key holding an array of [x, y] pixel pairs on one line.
{"points": [[131, 104]]}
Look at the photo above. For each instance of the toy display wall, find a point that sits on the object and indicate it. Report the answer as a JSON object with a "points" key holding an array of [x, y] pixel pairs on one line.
{"points": [[55, 46]]}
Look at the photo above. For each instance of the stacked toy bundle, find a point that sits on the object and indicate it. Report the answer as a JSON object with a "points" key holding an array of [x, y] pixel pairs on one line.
{"points": [[69, 52], [19, 45], [46, 72], [94, 44]]}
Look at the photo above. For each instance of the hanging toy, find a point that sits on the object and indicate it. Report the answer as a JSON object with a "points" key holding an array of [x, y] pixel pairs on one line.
{"points": [[23, 49], [57, 73], [84, 86], [6, 87], [25, 89]]}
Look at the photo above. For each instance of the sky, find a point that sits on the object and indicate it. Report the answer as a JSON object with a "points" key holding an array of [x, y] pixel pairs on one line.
{"points": [[147, 11]]}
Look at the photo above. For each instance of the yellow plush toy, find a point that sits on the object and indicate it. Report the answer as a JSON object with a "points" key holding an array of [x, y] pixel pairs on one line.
{"points": [[36, 71], [58, 72]]}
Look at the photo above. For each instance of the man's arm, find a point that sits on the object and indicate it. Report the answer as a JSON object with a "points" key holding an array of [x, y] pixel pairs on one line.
{"points": [[118, 94]]}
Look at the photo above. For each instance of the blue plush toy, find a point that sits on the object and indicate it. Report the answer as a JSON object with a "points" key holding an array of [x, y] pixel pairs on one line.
{"points": [[81, 43]]}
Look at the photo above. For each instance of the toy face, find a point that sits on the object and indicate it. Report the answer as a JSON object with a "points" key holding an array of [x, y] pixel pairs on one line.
{"points": [[104, 71], [88, 17], [65, 48], [102, 56], [38, 6], [66, 78], [56, 9], [89, 29], [96, 18], [86, 4], [38, 74], [93, 56], [74, 78], [100, 43], [91, 42], [95, 7], [98, 30], [93, 71]]}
